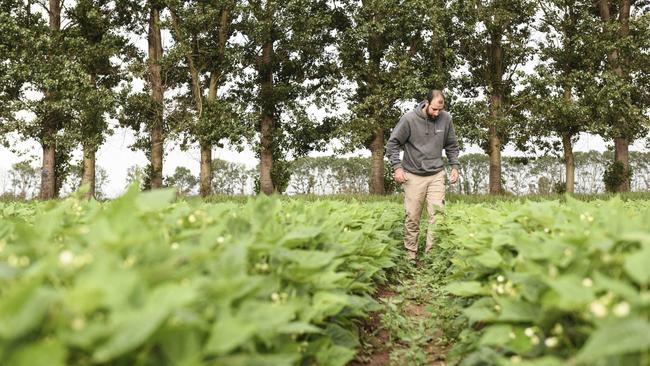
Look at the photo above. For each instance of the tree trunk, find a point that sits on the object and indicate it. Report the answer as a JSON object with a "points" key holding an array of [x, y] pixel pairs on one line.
{"points": [[377, 163], [621, 142], [48, 171], [266, 155], [267, 127], [622, 155], [88, 176], [89, 151], [569, 163], [48, 138], [496, 100], [157, 94], [495, 161], [205, 176]]}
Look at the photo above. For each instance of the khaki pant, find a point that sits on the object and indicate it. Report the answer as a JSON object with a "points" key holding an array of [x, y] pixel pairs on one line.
{"points": [[417, 190]]}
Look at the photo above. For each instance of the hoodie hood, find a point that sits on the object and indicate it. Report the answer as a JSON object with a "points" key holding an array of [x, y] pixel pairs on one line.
{"points": [[420, 113]]}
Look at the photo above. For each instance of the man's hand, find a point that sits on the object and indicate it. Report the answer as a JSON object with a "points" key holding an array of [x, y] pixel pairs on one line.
{"points": [[454, 176], [400, 176]]}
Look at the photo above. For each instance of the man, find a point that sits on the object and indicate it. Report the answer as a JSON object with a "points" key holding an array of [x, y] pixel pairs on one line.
{"points": [[423, 133]]}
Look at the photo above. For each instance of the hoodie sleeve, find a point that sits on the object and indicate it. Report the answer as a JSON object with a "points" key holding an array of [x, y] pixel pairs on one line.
{"points": [[451, 147], [397, 139]]}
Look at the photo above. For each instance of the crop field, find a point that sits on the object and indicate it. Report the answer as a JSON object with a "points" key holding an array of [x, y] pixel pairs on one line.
{"points": [[149, 280]]}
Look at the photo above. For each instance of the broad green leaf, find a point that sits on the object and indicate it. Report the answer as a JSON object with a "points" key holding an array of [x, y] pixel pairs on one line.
{"points": [[181, 346], [49, 352], [468, 288], [311, 259], [517, 311], [496, 335], [155, 200], [249, 359], [618, 287], [342, 337], [572, 294], [636, 265], [228, 333], [489, 259], [542, 361], [335, 355], [22, 309], [299, 328], [136, 326], [616, 338]]}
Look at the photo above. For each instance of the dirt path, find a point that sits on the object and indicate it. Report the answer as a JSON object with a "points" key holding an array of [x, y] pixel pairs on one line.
{"points": [[407, 331]]}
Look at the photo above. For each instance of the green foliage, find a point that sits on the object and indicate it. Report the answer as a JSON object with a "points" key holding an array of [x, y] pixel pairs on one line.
{"points": [[615, 175], [230, 178], [287, 67], [492, 37], [143, 280], [183, 180], [550, 282]]}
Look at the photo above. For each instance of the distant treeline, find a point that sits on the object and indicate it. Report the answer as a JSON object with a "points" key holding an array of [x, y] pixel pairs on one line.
{"points": [[336, 175], [330, 175]]}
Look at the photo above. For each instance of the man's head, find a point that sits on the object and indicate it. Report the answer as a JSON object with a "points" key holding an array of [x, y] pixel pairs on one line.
{"points": [[436, 103]]}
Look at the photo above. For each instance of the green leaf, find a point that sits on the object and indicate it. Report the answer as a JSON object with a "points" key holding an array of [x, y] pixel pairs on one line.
{"points": [[310, 259], [50, 352], [228, 333], [616, 338], [136, 326], [342, 337], [22, 309], [618, 287], [517, 311], [489, 259], [467, 288], [299, 328], [155, 200], [636, 265], [181, 347], [496, 335], [571, 293]]}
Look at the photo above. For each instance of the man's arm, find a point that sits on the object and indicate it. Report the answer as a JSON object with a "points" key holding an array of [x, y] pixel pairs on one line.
{"points": [[395, 142], [452, 150]]}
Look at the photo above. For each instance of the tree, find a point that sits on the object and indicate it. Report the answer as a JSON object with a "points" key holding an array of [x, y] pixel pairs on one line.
{"points": [[24, 179], [230, 178], [183, 179], [100, 25], [75, 179], [202, 32], [493, 40], [286, 51], [391, 51], [553, 93], [46, 82], [621, 91]]}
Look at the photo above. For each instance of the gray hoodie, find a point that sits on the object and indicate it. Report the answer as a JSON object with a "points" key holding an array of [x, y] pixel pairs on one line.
{"points": [[423, 139]]}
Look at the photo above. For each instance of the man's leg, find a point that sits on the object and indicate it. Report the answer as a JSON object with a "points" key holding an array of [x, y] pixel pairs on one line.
{"points": [[435, 203], [415, 189]]}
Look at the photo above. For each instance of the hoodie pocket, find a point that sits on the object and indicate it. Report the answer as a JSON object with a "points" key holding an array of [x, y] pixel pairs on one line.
{"points": [[431, 164]]}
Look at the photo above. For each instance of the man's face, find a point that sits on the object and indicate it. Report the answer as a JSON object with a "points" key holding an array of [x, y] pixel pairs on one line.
{"points": [[435, 107]]}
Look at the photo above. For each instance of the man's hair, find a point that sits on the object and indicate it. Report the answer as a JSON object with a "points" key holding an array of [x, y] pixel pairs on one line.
{"points": [[434, 94]]}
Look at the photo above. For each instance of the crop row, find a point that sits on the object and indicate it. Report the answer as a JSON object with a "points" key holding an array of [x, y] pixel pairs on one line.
{"points": [[144, 281], [551, 283]]}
